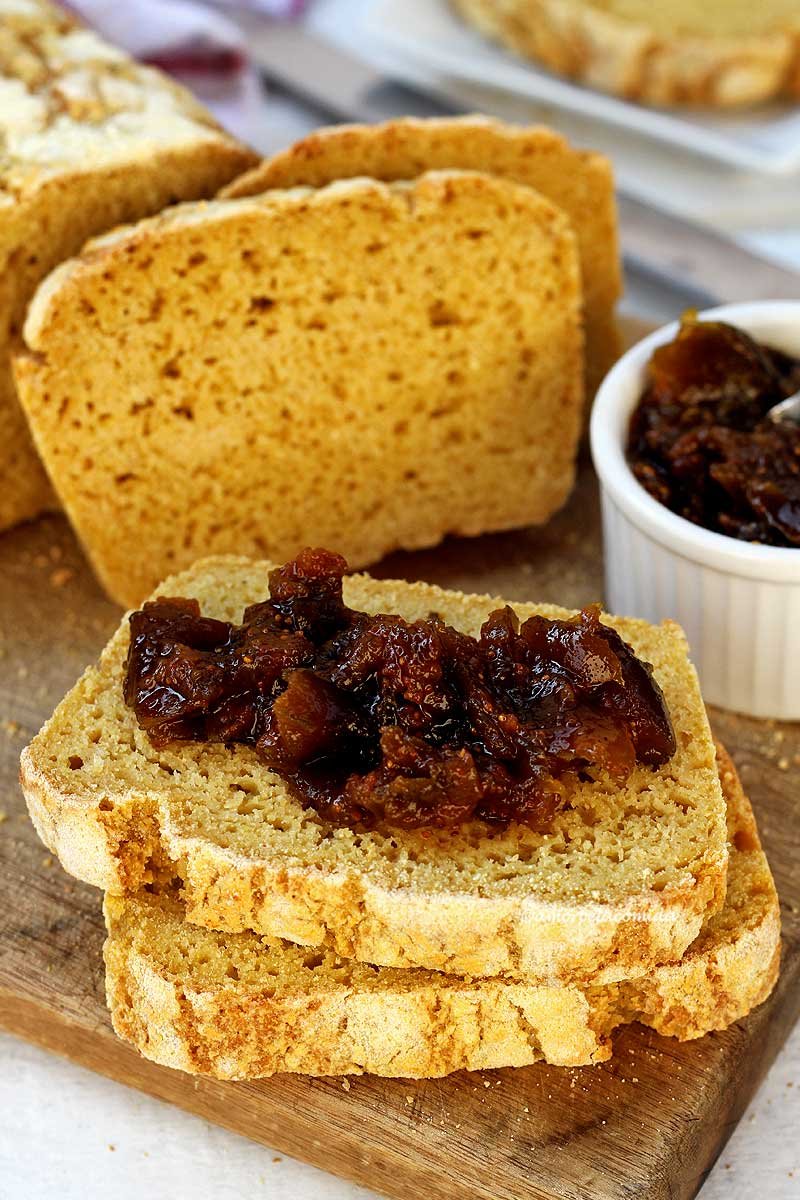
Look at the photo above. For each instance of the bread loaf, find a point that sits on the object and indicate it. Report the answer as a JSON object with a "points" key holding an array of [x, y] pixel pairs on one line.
{"points": [[365, 367], [720, 54], [237, 1006], [88, 138], [579, 182], [622, 880]]}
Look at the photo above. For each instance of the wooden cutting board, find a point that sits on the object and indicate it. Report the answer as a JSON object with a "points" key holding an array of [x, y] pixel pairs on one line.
{"points": [[649, 1124]]}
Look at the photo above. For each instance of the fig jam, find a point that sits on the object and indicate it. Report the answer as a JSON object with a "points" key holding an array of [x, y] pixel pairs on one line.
{"points": [[371, 718], [700, 442]]}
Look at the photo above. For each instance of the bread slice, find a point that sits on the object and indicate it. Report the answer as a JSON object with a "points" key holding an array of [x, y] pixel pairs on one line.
{"points": [[580, 183], [238, 1006], [88, 138], [722, 54], [623, 880], [364, 367]]}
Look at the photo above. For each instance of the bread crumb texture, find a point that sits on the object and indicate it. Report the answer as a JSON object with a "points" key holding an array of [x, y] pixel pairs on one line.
{"points": [[623, 879], [240, 1006], [578, 182], [719, 54], [88, 138], [363, 367]]}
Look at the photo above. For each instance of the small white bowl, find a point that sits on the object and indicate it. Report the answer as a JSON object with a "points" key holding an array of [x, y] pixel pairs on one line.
{"points": [[738, 602]]}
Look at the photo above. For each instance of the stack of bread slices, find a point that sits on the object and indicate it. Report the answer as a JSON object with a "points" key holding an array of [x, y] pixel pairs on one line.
{"points": [[377, 338], [374, 339], [246, 935]]}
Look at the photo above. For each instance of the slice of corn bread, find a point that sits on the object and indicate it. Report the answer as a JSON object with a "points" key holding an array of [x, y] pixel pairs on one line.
{"points": [[239, 1006], [622, 880], [579, 182], [364, 367]]}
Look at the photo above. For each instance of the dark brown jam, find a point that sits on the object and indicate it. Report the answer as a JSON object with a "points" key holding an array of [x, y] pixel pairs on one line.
{"points": [[376, 719], [700, 443]]}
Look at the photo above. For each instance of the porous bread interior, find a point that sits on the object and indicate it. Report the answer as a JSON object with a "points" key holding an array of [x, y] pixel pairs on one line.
{"points": [[750, 895], [242, 995], [88, 138], [580, 183], [661, 833], [364, 367]]}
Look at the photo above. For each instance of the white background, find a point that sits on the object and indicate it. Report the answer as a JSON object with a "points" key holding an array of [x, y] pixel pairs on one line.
{"points": [[66, 1134]]}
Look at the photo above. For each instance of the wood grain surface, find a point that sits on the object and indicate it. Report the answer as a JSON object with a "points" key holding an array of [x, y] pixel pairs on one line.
{"points": [[647, 1125]]}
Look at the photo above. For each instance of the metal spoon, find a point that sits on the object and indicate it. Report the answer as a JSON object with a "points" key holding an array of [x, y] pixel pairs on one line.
{"points": [[787, 412]]}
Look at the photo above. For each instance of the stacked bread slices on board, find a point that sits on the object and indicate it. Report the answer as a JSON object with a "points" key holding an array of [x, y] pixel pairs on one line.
{"points": [[88, 138], [372, 340], [377, 341], [248, 935]]}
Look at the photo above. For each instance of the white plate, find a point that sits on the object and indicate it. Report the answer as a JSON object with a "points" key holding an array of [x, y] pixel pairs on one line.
{"points": [[430, 33]]}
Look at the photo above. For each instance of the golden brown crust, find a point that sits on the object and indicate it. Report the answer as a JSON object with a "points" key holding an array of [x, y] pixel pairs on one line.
{"points": [[238, 1006], [630, 58], [646, 866], [580, 183], [88, 138]]}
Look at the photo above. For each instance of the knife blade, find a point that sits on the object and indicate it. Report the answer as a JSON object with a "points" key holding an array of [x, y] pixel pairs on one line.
{"points": [[700, 266]]}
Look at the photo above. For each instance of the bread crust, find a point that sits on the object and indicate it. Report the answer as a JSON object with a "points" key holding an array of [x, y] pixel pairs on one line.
{"points": [[338, 894], [333, 1020], [629, 59], [465, 934]]}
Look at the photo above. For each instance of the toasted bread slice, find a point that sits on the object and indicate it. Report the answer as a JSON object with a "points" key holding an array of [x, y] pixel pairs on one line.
{"points": [[718, 54], [365, 367], [237, 1006], [579, 182], [623, 879], [89, 138]]}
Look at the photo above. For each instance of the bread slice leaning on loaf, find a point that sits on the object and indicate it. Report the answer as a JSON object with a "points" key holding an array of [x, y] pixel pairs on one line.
{"points": [[623, 879], [579, 182], [89, 138], [237, 1006], [364, 367], [717, 54]]}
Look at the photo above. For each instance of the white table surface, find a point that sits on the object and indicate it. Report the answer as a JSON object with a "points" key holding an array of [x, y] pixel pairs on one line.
{"points": [[67, 1134]]}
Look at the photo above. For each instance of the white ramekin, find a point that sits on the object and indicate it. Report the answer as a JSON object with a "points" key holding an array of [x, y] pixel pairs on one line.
{"points": [[739, 603]]}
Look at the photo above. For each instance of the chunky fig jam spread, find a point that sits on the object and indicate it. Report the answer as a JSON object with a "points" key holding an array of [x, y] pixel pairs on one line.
{"points": [[700, 443], [373, 718]]}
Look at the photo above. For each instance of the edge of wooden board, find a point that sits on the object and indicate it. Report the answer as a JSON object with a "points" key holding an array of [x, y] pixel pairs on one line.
{"points": [[384, 1134]]}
